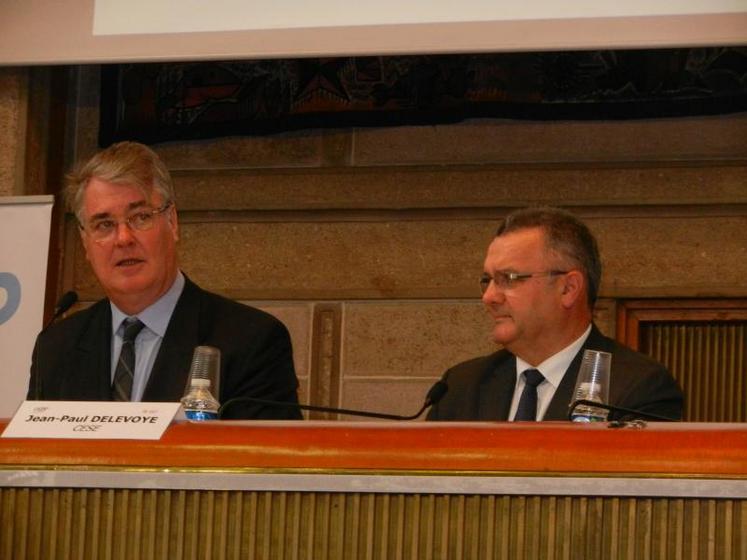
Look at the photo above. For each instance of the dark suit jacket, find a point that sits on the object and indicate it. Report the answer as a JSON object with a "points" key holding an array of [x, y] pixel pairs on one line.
{"points": [[482, 389], [72, 360]]}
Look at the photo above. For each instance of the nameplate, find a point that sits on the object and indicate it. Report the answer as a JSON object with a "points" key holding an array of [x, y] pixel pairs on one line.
{"points": [[91, 420]]}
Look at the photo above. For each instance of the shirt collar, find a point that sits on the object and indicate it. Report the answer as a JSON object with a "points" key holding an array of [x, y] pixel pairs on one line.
{"points": [[157, 316], [554, 367]]}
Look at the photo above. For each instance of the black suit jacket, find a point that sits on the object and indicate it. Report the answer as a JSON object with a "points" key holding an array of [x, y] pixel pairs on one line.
{"points": [[72, 360], [482, 389]]}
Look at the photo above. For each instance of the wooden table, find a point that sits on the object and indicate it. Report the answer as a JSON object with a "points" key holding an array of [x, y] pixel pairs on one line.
{"points": [[380, 490]]}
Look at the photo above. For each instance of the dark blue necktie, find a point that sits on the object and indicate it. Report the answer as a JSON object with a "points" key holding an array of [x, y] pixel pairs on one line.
{"points": [[527, 409]]}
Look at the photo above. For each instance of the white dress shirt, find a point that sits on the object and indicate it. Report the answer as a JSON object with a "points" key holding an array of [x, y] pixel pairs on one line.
{"points": [[553, 368]]}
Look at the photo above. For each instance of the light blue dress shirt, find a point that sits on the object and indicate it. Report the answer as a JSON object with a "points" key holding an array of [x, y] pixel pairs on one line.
{"points": [[156, 320]]}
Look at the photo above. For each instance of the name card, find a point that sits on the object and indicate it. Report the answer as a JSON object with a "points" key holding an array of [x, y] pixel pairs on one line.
{"points": [[91, 420]]}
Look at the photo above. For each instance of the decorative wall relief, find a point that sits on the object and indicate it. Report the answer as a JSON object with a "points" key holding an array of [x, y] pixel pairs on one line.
{"points": [[181, 101]]}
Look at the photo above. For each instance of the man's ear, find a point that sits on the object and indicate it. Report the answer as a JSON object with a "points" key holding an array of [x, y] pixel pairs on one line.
{"points": [[174, 222], [84, 241], [573, 288]]}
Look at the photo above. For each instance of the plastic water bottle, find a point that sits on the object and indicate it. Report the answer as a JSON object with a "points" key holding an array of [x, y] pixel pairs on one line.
{"points": [[199, 403]]}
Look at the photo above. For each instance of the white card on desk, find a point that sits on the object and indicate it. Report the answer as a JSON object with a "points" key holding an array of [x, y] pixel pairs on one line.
{"points": [[91, 420]]}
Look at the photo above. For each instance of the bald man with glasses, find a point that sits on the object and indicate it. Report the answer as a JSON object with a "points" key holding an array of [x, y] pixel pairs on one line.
{"points": [[123, 199], [541, 279]]}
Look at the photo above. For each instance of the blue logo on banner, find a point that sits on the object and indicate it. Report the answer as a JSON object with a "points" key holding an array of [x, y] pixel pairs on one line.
{"points": [[12, 287]]}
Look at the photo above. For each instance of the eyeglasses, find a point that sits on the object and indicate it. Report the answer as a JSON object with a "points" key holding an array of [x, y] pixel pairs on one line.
{"points": [[504, 279], [143, 220]]}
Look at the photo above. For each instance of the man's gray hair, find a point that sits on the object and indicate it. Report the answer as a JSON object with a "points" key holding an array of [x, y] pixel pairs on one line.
{"points": [[124, 163]]}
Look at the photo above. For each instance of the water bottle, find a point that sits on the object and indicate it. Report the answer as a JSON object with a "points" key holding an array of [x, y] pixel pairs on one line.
{"points": [[198, 402]]}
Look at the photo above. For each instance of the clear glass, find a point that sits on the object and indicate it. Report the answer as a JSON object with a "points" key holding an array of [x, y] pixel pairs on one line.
{"points": [[203, 385], [593, 384]]}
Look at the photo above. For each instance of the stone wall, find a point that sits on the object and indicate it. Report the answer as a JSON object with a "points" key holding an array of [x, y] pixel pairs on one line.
{"points": [[12, 130], [368, 243]]}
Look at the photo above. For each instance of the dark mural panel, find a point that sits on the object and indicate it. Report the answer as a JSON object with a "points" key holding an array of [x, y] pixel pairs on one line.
{"points": [[179, 101]]}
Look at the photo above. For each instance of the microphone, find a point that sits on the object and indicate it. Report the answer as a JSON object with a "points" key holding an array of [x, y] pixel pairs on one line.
{"points": [[620, 409], [434, 395], [66, 301]]}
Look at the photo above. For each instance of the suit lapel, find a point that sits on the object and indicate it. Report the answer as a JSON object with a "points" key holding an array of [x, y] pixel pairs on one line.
{"points": [[168, 378], [497, 388], [90, 375], [558, 408]]}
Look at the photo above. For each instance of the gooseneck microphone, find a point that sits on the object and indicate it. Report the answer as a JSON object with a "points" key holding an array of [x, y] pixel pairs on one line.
{"points": [[434, 395], [620, 409], [66, 301]]}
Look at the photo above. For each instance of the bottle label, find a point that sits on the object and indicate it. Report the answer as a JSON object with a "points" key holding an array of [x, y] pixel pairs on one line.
{"points": [[200, 415]]}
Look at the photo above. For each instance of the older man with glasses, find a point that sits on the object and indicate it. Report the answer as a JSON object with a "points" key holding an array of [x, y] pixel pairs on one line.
{"points": [[541, 279], [123, 199]]}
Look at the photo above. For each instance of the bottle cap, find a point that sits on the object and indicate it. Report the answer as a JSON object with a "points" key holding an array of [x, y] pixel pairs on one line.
{"points": [[200, 382]]}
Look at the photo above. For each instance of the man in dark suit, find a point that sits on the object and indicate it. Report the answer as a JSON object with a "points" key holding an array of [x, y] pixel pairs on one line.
{"points": [[541, 279], [123, 199]]}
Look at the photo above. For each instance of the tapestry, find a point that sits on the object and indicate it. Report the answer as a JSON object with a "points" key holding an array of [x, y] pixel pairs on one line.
{"points": [[157, 102]]}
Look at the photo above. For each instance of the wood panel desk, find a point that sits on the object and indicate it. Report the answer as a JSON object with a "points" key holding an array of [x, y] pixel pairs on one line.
{"points": [[380, 490]]}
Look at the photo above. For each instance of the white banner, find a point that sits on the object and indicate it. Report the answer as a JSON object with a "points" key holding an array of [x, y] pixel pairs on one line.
{"points": [[114, 17], [24, 246]]}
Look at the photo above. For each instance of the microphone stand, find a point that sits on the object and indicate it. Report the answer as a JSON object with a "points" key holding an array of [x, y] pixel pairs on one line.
{"points": [[65, 302], [434, 395], [610, 408]]}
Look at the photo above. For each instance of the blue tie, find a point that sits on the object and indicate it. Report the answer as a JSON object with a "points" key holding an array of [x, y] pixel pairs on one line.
{"points": [[527, 409]]}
